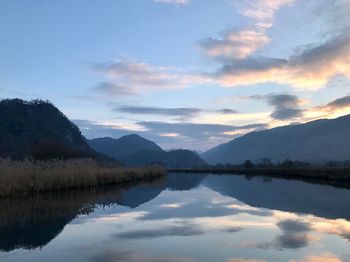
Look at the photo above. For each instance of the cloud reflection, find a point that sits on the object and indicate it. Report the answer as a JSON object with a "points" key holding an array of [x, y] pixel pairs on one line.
{"points": [[327, 257], [115, 255], [184, 229], [200, 208]]}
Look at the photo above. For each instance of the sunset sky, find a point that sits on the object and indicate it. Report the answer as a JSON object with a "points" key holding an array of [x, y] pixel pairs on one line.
{"points": [[184, 73]]}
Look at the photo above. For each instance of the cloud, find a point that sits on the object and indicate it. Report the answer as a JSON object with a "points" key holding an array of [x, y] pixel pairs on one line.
{"points": [[244, 260], [287, 113], [113, 89], [295, 234], [339, 103], [310, 67], [179, 112], [116, 255], [234, 44], [127, 76], [170, 135], [185, 229], [232, 229], [200, 208], [227, 111], [199, 131], [240, 44], [182, 113], [294, 226], [286, 107], [175, 2], [333, 109], [282, 100], [263, 11], [327, 257]]}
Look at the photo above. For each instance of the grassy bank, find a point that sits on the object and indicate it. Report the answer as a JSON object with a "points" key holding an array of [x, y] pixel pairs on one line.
{"points": [[309, 173], [27, 177]]}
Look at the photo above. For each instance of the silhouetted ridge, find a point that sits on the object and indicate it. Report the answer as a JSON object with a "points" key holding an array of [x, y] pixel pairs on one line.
{"points": [[171, 159], [316, 142], [123, 146], [134, 150], [38, 129]]}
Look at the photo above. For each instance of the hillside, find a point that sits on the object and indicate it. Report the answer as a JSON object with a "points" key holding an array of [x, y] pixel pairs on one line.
{"points": [[171, 159], [134, 150], [125, 145], [38, 129], [316, 142]]}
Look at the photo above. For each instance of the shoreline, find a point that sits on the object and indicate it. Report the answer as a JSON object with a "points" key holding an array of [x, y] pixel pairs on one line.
{"points": [[312, 173]]}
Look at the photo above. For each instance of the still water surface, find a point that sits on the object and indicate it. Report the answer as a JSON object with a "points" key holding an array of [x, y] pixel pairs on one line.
{"points": [[183, 217]]}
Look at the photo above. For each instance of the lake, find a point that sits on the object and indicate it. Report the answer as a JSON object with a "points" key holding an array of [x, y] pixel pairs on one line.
{"points": [[182, 217]]}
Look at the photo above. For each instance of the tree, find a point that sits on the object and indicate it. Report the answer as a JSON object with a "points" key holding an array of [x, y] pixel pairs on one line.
{"points": [[287, 163], [248, 164], [265, 162]]}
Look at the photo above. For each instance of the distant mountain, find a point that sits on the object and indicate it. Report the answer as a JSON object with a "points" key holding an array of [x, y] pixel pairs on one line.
{"points": [[316, 142], [172, 159], [125, 145], [38, 129], [134, 150]]}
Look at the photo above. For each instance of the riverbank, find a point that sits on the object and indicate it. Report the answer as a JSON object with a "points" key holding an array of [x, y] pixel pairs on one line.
{"points": [[341, 174], [28, 177]]}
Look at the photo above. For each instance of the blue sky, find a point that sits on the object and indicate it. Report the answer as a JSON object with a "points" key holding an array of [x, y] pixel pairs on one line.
{"points": [[189, 74]]}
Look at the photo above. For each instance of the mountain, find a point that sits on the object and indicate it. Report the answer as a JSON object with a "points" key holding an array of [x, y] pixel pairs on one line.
{"points": [[134, 150], [125, 145], [38, 129], [316, 142], [171, 159]]}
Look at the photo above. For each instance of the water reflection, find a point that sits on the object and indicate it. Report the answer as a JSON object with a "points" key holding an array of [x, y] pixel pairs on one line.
{"points": [[182, 218], [284, 195], [34, 222]]}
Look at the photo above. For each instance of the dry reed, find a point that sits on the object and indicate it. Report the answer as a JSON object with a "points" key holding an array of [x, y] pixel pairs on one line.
{"points": [[27, 177]]}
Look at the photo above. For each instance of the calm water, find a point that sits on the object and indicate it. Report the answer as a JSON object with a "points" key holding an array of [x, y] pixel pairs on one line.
{"points": [[188, 217]]}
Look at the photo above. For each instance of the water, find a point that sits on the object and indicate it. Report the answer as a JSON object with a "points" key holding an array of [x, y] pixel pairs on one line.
{"points": [[188, 217]]}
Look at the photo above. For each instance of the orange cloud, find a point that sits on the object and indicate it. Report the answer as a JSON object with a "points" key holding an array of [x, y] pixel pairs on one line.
{"points": [[321, 258], [263, 11], [311, 68], [240, 44], [234, 44], [129, 77], [244, 260]]}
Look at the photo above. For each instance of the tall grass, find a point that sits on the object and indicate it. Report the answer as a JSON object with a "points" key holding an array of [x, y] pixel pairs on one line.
{"points": [[28, 177]]}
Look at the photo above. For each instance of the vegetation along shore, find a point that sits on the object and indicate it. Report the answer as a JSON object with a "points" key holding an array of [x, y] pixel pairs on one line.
{"points": [[30, 177], [341, 174]]}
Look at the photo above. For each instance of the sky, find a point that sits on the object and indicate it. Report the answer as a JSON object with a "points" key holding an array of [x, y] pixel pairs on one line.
{"points": [[184, 73]]}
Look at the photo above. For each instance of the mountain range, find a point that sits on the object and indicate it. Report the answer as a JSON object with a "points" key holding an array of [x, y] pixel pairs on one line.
{"points": [[319, 141], [134, 150], [125, 145], [37, 129]]}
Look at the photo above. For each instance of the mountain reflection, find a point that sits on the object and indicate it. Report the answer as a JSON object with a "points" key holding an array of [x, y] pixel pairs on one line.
{"points": [[284, 195], [33, 222]]}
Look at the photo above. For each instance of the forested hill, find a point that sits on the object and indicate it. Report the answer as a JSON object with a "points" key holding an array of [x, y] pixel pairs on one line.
{"points": [[39, 130]]}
